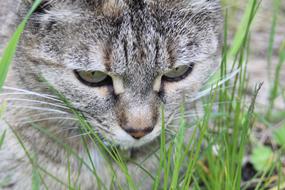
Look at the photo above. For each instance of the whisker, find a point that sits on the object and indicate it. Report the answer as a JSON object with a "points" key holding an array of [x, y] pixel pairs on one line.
{"points": [[215, 85], [39, 109], [190, 113], [170, 131], [215, 104], [100, 127], [203, 94], [219, 103], [229, 76], [90, 120], [41, 114], [79, 135], [36, 101], [27, 92], [188, 116], [47, 119], [16, 93], [190, 100], [170, 118], [65, 129]]}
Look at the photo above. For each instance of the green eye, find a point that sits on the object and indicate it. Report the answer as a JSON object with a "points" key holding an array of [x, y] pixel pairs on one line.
{"points": [[93, 78], [178, 73]]}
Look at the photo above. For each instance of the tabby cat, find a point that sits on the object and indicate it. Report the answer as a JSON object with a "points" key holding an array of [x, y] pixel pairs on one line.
{"points": [[117, 62]]}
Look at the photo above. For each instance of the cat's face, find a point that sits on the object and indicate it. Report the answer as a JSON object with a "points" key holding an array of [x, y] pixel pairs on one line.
{"points": [[119, 61]]}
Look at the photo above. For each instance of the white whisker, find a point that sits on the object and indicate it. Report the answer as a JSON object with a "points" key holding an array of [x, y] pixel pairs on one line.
{"points": [[100, 127], [216, 104], [219, 103], [65, 129], [36, 101], [27, 92], [38, 108], [170, 118], [170, 131], [47, 119], [190, 100], [203, 93], [208, 90], [225, 79], [21, 94], [187, 116], [41, 114], [80, 135]]}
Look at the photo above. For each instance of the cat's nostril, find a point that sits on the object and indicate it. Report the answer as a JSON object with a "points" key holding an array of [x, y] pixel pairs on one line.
{"points": [[138, 133]]}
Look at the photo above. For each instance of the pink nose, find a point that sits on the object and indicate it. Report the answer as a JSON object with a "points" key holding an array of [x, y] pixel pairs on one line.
{"points": [[138, 133]]}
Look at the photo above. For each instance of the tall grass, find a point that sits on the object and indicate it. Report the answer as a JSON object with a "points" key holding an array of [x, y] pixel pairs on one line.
{"points": [[210, 159]]}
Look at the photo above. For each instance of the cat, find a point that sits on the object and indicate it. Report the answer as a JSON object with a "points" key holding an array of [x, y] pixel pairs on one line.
{"points": [[117, 62]]}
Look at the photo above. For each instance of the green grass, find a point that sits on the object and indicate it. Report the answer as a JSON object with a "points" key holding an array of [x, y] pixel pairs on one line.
{"points": [[212, 158]]}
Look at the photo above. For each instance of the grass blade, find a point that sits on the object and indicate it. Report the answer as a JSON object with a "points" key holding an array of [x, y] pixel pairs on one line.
{"points": [[2, 138]]}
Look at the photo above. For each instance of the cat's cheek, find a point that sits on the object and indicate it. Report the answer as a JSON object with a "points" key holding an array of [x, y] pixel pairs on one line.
{"points": [[94, 100], [103, 92], [180, 87]]}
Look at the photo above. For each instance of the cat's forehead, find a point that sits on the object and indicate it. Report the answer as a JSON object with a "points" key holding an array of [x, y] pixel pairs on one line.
{"points": [[124, 36], [120, 3], [118, 7]]}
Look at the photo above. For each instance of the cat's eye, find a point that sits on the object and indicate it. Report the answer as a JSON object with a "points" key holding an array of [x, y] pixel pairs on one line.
{"points": [[179, 73], [93, 78]]}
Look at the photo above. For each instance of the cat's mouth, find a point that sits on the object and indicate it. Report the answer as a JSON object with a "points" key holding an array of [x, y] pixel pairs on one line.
{"points": [[119, 138], [123, 140], [129, 149]]}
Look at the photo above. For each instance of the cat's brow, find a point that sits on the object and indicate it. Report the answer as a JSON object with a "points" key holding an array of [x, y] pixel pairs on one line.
{"points": [[93, 66], [94, 61]]}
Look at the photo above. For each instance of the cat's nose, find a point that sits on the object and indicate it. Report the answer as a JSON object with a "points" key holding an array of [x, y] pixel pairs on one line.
{"points": [[138, 122], [137, 117], [138, 133]]}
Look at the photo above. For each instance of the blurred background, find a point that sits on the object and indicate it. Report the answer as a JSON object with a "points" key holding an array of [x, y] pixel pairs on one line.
{"points": [[259, 67]]}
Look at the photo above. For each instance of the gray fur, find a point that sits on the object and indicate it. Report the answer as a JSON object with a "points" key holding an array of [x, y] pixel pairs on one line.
{"points": [[133, 41]]}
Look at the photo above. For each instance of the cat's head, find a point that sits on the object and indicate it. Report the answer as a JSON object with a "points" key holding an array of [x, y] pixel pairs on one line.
{"points": [[118, 61]]}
